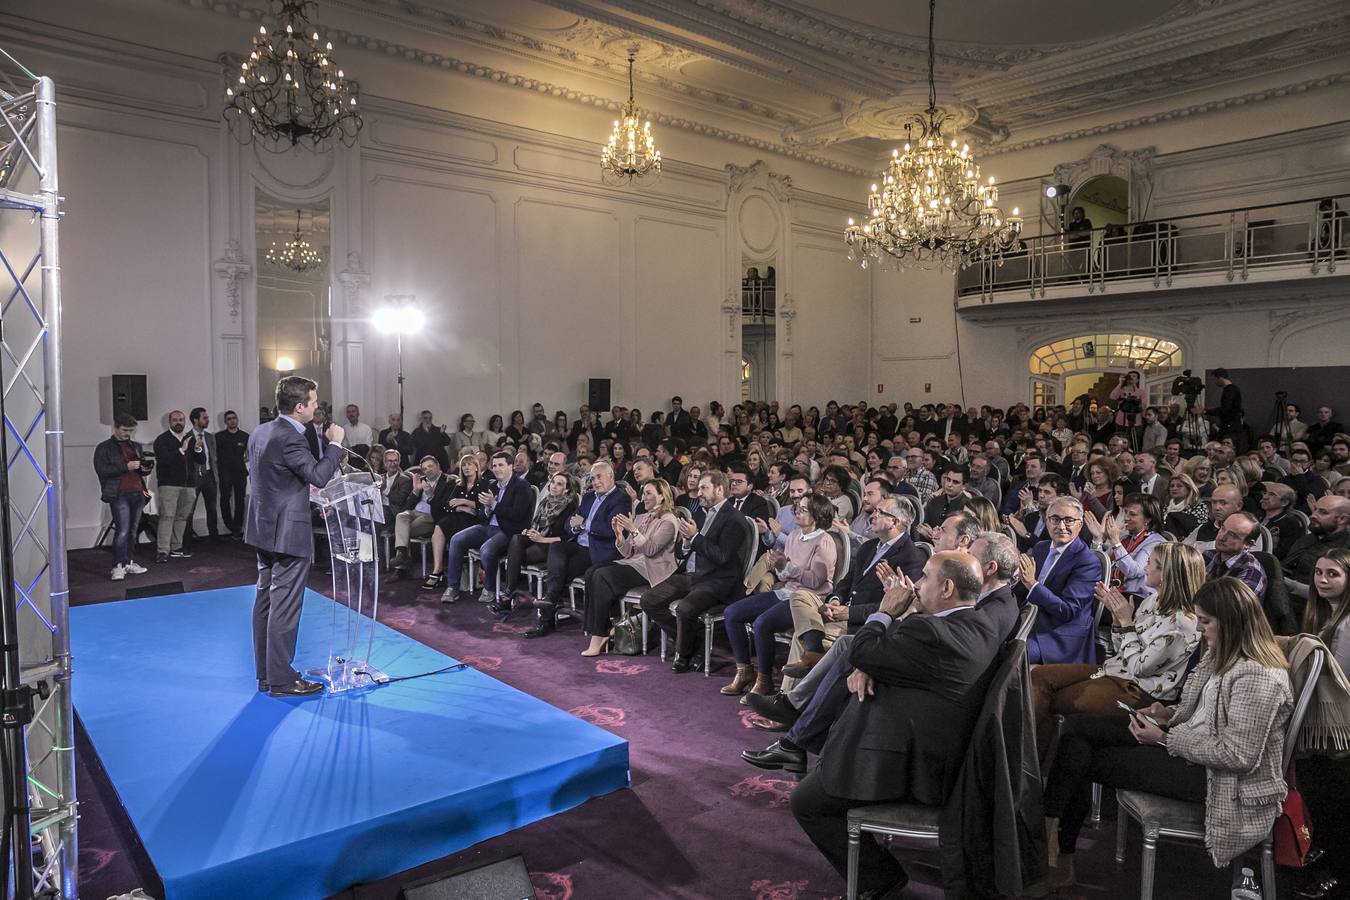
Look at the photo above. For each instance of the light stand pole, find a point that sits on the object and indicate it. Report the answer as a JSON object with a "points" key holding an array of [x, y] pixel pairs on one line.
{"points": [[398, 317]]}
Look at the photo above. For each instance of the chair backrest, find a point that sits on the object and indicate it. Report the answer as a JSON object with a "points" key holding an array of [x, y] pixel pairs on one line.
{"points": [[915, 507], [1168, 536], [682, 513], [1026, 618], [1267, 542], [926, 547], [843, 552], [1106, 565], [748, 548], [773, 506], [1302, 517], [857, 501], [1301, 703], [1008, 530]]}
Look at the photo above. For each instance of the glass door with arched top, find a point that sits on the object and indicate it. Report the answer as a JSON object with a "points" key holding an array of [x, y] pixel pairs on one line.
{"points": [[1091, 365]]}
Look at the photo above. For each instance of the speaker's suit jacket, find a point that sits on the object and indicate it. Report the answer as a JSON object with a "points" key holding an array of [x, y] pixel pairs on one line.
{"points": [[282, 468]]}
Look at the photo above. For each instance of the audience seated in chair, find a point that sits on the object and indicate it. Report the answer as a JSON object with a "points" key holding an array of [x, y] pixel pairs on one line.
{"points": [[1222, 745], [425, 504], [1151, 647], [461, 511], [921, 665], [646, 545], [506, 508], [1232, 554], [711, 572], [588, 541], [1059, 577], [548, 525], [805, 566]]}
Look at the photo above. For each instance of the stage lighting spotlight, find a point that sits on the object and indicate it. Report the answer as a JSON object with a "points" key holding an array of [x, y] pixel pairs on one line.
{"points": [[398, 319], [285, 364], [1060, 191]]}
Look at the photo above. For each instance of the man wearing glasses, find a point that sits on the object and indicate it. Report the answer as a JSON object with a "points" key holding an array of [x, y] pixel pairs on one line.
{"points": [[1059, 577]]}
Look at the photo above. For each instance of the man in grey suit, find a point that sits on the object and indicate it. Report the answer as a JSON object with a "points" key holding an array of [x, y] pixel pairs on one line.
{"points": [[277, 525]]}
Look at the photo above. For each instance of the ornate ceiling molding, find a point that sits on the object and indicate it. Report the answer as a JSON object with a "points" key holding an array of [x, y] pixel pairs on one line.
{"points": [[512, 79], [1181, 112], [758, 174]]}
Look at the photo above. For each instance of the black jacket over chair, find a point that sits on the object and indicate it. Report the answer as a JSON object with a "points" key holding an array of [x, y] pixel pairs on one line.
{"points": [[906, 743], [992, 828]]}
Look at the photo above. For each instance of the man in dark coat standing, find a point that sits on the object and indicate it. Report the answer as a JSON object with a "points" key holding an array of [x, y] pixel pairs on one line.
{"points": [[277, 525]]}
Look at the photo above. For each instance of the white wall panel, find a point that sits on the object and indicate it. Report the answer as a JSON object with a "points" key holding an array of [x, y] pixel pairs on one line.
{"points": [[832, 298]]}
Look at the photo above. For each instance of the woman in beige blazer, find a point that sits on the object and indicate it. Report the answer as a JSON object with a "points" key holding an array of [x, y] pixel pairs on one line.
{"points": [[647, 544], [1222, 745]]}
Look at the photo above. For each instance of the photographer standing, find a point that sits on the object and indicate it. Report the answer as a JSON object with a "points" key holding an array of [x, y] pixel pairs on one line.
{"points": [[1229, 412], [1128, 395], [121, 471]]}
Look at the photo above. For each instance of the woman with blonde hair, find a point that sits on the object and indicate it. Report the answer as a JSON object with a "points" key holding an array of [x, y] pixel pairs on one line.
{"points": [[646, 543], [1201, 473], [1221, 746], [1185, 510], [983, 509], [1151, 646]]}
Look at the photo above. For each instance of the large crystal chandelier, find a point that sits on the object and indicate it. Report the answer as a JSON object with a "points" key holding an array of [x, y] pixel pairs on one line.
{"points": [[295, 254], [631, 153], [931, 207], [289, 89]]}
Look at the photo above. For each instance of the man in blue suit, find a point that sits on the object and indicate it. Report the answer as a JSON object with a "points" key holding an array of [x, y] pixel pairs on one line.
{"points": [[1059, 577], [277, 525], [590, 542], [506, 512]]}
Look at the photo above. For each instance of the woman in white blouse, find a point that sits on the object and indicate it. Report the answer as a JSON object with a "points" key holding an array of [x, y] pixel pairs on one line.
{"points": [[1151, 646]]}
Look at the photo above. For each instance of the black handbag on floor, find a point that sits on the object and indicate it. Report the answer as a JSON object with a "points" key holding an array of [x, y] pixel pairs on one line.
{"points": [[626, 637]]}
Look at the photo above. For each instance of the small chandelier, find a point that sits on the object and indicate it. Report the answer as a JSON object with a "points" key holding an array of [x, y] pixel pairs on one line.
{"points": [[631, 153], [289, 89], [295, 254], [930, 207]]}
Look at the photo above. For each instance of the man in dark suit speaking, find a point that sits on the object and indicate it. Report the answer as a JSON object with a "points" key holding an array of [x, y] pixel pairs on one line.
{"points": [[277, 525]]}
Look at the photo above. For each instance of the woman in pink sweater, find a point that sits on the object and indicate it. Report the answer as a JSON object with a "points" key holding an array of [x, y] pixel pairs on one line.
{"points": [[805, 563]]}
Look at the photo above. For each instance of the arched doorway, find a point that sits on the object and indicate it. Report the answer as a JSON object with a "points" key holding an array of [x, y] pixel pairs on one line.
{"points": [[1105, 200], [1091, 363]]}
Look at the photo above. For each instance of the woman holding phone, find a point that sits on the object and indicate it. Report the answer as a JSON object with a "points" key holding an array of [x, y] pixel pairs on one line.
{"points": [[1222, 745]]}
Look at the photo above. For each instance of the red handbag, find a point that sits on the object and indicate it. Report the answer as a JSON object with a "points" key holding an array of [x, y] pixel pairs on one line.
{"points": [[1293, 829]]}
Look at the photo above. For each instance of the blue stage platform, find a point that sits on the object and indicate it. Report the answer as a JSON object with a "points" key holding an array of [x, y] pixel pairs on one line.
{"points": [[237, 795]]}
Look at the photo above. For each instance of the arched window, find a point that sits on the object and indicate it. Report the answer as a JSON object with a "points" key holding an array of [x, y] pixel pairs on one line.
{"points": [[1064, 369]]}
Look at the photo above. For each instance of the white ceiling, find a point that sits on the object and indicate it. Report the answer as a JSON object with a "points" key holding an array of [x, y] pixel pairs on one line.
{"points": [[842, 78]]}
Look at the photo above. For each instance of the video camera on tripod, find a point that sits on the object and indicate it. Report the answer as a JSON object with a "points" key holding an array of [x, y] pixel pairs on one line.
{"points": [[1188, 386]]}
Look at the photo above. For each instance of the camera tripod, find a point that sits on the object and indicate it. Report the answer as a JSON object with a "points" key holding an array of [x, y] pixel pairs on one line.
{"points": [[1279, 429]]}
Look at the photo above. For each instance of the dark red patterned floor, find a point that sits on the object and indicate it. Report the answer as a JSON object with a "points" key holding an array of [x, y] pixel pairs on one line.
{"points": [[697, 823]]}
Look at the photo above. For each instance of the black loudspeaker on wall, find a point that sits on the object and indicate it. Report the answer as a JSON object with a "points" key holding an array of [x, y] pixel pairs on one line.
{"points": [[598, 396], [122, 393], [505, 879]]}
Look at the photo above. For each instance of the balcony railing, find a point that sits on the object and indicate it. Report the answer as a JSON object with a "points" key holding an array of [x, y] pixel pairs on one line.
{"points": [[758, 297], [1311, 235]]}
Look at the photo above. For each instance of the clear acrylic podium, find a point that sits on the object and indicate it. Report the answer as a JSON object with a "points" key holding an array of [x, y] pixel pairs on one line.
{"points": [[353, 509]]}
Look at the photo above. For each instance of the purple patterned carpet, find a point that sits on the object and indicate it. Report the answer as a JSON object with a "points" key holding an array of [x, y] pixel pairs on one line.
{"points": [[697, 823]]}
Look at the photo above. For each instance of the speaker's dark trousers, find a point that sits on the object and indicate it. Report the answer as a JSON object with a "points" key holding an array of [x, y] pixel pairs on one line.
{"points": [[232, 486], [693, 601], [276, 614]]}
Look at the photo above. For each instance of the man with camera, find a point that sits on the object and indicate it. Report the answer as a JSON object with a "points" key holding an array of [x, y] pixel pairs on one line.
{"points": [[178, 455], [121, 470]]}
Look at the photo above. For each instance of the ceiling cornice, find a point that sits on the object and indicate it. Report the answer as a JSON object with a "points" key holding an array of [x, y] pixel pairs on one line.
{"points": [[236, 10]]}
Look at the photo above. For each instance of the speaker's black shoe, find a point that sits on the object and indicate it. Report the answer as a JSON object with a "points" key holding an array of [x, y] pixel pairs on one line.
{"points": [[298, 688], [776, 707], [776, 756]]}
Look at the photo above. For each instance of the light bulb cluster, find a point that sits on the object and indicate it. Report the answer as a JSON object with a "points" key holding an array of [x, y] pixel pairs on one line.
{"points": [[289, 89], [631, 153], [295, 254], [931, 206]]}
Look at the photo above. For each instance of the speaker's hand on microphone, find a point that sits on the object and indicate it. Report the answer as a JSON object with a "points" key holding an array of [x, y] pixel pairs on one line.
{"points": [[334, 433]]}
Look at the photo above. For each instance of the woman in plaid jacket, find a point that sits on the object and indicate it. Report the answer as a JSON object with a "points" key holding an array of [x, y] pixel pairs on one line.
{"points": [[1221, 745]]}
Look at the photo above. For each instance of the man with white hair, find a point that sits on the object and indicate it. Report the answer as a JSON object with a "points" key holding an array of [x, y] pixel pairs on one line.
{"points": [[1277, 505], [1059, 577]]}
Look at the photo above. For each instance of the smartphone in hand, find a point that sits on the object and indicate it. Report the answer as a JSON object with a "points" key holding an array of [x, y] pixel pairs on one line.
{"points": [[1134, 712]]}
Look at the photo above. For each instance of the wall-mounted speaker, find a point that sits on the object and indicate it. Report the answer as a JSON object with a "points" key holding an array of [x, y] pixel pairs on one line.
{"points": [[122, 394], [505, 879], [597, 398]]}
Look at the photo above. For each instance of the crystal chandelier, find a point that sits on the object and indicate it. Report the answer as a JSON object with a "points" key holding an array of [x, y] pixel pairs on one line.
{"points": [[289, 89], [631, 153], [295, 254], [930, 207]]}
